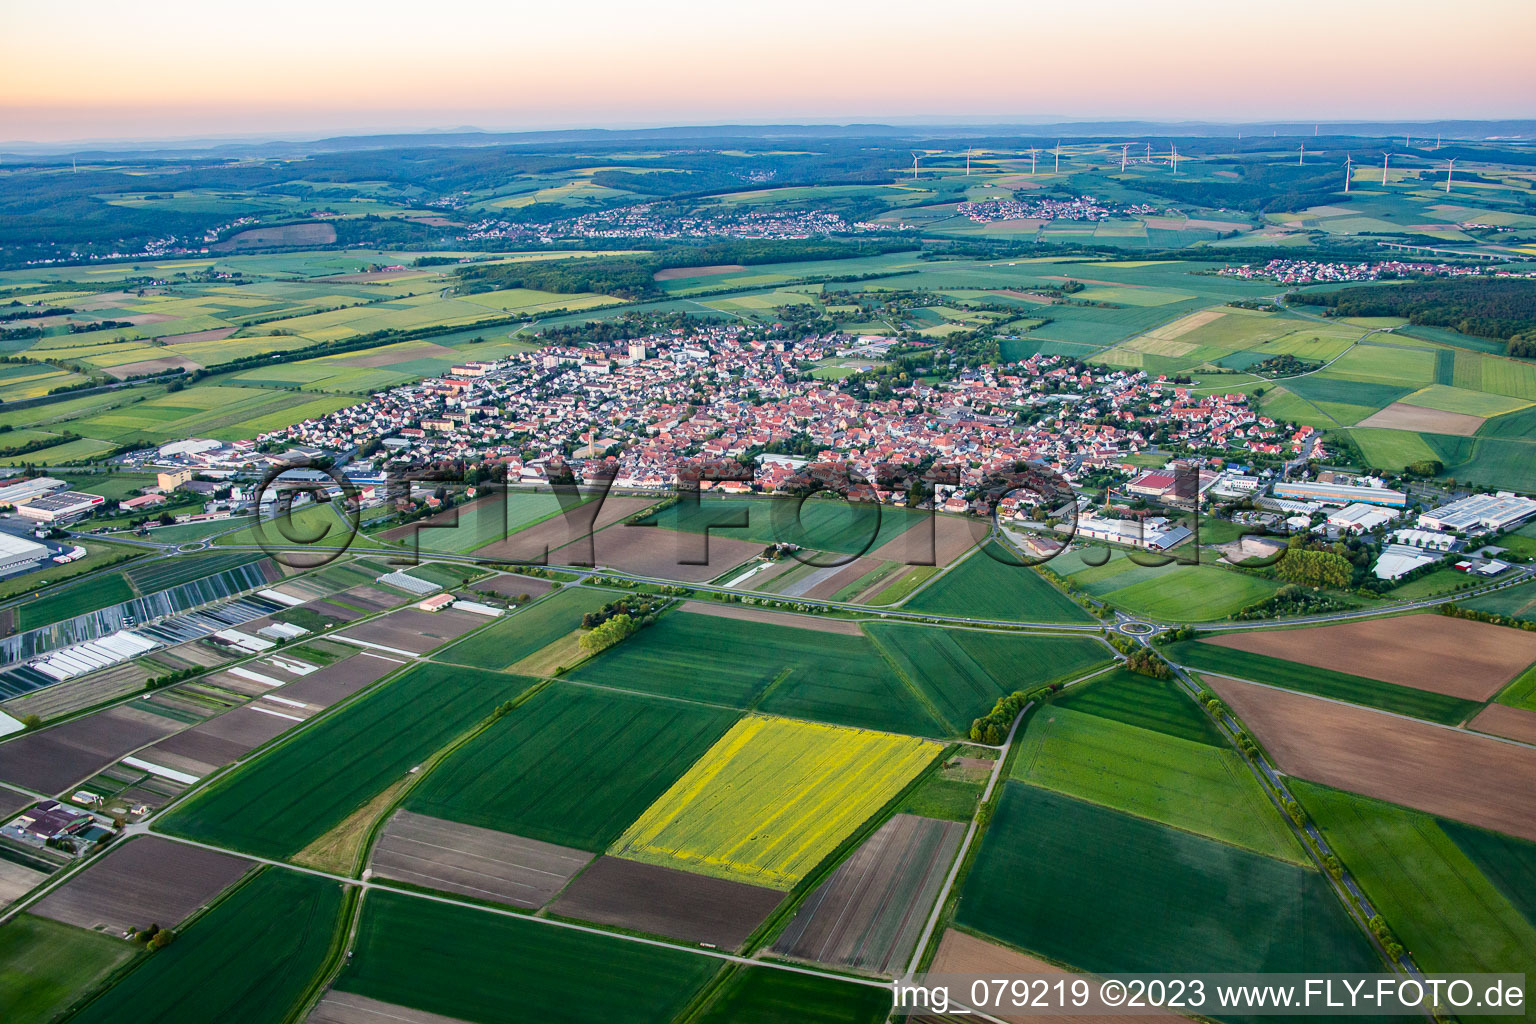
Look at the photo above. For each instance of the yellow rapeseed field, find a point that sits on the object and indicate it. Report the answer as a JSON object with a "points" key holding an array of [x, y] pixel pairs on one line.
{"points": [[772, 798]]}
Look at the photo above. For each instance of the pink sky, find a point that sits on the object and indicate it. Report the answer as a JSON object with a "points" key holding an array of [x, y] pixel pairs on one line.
{"points": [[178, 68]]}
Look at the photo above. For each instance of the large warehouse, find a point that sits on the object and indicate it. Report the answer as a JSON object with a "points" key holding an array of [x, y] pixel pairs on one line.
{"points": [[61, 507], [18, 553], [1480, 513]]}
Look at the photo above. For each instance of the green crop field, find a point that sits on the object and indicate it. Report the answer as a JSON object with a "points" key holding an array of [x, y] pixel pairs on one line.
{"points": [[187, 532], [1159, 704], [485, 521], [572, 765], [1509, 863], [1109, 892], [739, 663], [1391, 449], [99, 592], [473, 966], [762, 995], [1290, 675], [773, 798], [983, 587], [1470, 403], [1443, 909], [1191, 593], [1194, 786], [961, 672], [45, 966], [251, 958], [522, 633], [282, 801], [819, 524]]}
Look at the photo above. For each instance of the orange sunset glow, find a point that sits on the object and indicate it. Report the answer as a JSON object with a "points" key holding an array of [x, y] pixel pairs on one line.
{"points": [[178, 68]]}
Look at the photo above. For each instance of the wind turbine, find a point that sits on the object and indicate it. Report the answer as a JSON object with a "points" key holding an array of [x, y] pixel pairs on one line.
{"points": [[1032, 152], [1349, 170], [1174, 158], [1407, 141], [915, 154], [1437, 140], [1149, 152], [1301, 155], [1058, 157], [1384, 158], [967, 161], [1450, 165], [1122, 156]]}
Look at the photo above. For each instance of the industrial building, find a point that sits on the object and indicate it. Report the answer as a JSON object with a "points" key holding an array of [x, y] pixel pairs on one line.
{"points": [[19, 490], [1340, 494], [1155, 534], [1481, 513], [18, 554], [1360, 517], [61, 507]]}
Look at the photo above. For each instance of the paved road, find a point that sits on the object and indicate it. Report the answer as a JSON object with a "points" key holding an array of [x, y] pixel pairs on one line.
{"points": [[1355, 902]]}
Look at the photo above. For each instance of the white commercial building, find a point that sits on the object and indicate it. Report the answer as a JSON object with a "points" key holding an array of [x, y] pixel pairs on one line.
{"points": [[1432, 540], [1156, 534], [60, 507], [21, 489], [1481, 513], [18, 553], [1400, 559], [1360, 517]]}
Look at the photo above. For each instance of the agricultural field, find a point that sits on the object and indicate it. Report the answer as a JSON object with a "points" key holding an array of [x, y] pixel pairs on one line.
{"points": [[760, 995], [250, 958], [988, 588], [478, 863], [46, 966], [668, 902], [1324, 682], [773, 798], [522, 633], [1111, 892], [1197, 787], [1439, 653], [146, 881], [473, 526], [1447, 772], [572, 765], [869, 913], [455, 962], [815, 672], [295, 793], [817, 524], [961, 672], [1428, 879]]}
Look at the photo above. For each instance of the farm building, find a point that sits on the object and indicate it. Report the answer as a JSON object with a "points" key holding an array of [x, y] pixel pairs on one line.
{"points": [[435, 603], [1479, 513], [48, 820], [1341, 494]]}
